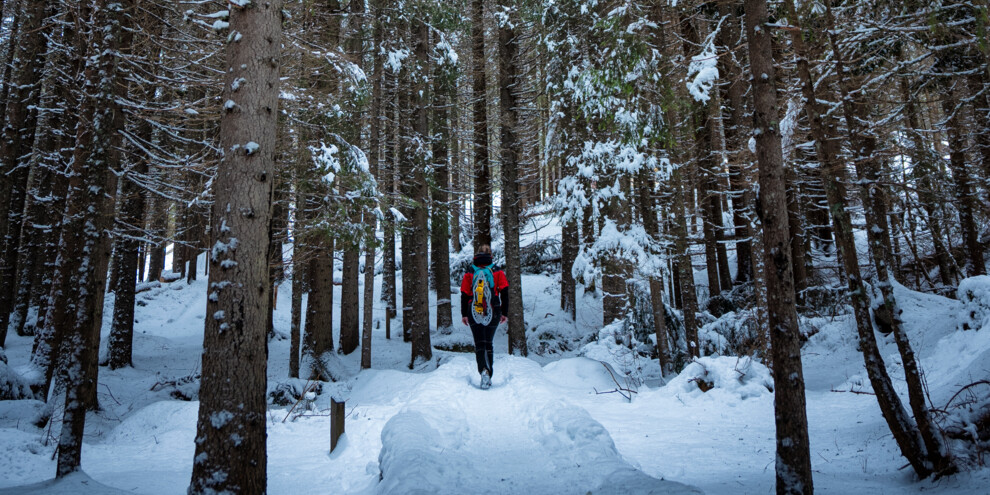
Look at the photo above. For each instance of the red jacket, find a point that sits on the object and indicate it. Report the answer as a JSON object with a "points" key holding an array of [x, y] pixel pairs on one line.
{"points": [[500, 297]]}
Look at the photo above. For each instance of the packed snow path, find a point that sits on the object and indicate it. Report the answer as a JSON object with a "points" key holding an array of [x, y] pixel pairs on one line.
{"points": [[519, 436]]}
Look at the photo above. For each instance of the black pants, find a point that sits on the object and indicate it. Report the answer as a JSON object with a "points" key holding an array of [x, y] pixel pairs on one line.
{"points": [[483, 346]]}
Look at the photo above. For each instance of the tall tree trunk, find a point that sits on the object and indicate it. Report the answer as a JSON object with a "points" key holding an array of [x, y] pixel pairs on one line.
{"points": [[887, 315], [733, 96], [157, 222], [85, 245], [966, 194], [417, 191], [797, 235], [18, 136], [318, 333], [439, 216], [120, 341], [231, 424], [509, 82], [647, 207], [369, 295], [374, 148], [387, 178], [482, 175], [793, 452], [456, 169], [299, 271], [350, 332], [685, 271]]}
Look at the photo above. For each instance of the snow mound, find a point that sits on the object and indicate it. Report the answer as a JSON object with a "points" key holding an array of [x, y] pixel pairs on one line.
{"points": [[517, 437], [78, 483], [579, 373], [156, 423], [739, 376], [974, 292]]}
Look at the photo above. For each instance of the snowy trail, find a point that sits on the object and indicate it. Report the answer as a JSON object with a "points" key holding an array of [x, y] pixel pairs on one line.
{"points": [[519, 436]]}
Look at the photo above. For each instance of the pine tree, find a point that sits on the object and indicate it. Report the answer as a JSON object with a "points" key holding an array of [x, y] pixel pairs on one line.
{"points": [[230, 447]]}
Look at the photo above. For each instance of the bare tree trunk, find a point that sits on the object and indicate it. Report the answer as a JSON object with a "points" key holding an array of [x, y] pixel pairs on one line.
{"points": [[457, 180], [298, 277], [733, 96], [120, 341], [793, 452], [797, 235], [966, 194], [439, 216], [482, 175], [18, 136], [685, 272], [509, 82], [887, 314], [417, 190], [369, 297], [647, 207], [84, 247], [318, 333], [387, 178], [231, 424]]}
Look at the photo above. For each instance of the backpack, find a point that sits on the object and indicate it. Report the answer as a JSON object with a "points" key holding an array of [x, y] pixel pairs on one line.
{"points": [[483, 282]]}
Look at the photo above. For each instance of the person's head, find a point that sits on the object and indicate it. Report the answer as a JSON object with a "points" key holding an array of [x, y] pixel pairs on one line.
{"points": [[483, 255]]}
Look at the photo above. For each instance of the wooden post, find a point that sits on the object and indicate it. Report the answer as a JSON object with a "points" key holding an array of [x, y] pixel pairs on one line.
{"points": [[388, 323], [336, 422]]}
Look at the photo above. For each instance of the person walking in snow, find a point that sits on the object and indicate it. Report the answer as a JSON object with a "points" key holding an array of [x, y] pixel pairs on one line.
{"points": [[484, 301]]}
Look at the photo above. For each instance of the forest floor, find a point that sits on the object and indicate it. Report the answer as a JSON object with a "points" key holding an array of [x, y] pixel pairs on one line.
{"points": [[542, 428]]}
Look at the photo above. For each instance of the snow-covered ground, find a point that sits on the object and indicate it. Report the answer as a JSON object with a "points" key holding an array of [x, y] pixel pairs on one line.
{"points": [[542, 428]]}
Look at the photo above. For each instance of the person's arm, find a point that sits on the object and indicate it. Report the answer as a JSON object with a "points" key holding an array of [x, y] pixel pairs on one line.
{"points": [[465, 297], [503, 293]]}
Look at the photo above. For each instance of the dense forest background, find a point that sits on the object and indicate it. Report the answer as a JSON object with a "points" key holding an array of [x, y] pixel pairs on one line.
{"points": [[806, 156]]}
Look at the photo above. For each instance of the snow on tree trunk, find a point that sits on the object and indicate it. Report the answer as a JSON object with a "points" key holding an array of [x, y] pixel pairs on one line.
{"points": [[230, 434]]}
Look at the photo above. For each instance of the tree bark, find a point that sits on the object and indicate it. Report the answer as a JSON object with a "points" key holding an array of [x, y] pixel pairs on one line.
{"points": [[84, 249], [482, 175], [318, 339], [793, 452], [18, 136], [509, 82], [439, 216], [733, 96], [231, 425], [417, 191]]}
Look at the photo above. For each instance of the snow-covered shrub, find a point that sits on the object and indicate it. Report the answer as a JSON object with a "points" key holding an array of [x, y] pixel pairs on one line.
{"points": [[974, 293], [720, 304], [541, 256], [286, 393], [12, 385], [825, 300], [181, 388], [732, 333], [329, 366], [741, 376], [617, 346], [641, 319], [967, 422], [548, 341]]}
